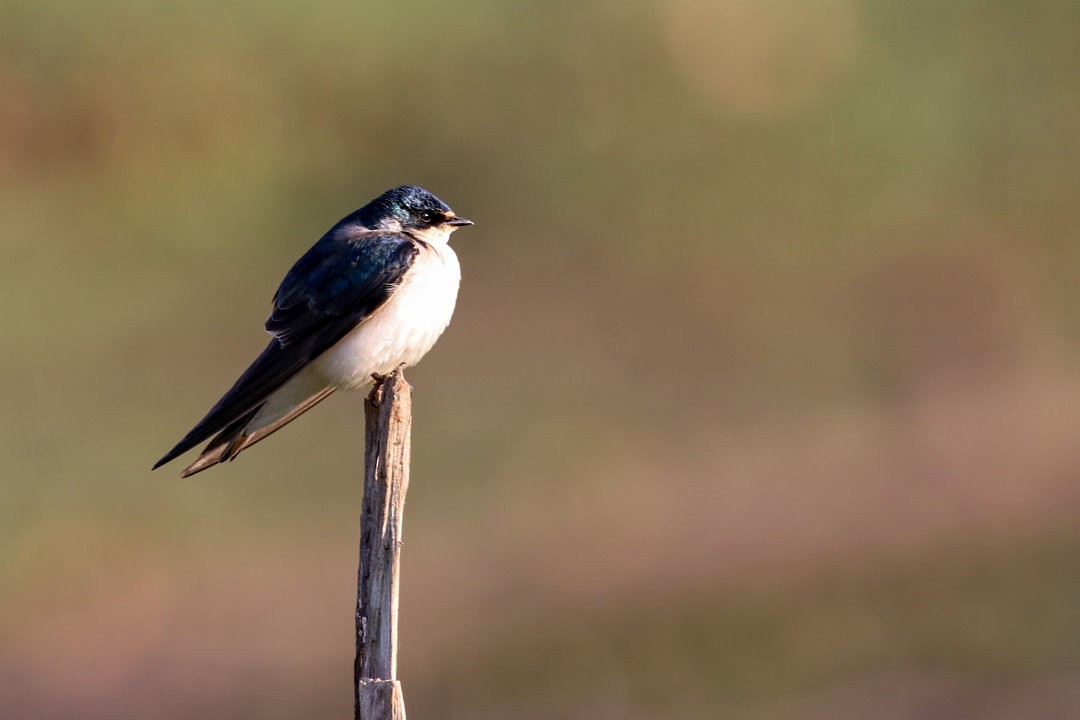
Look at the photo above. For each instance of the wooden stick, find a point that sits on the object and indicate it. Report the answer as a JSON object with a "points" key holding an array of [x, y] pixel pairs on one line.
{"points": [[388, 415]]}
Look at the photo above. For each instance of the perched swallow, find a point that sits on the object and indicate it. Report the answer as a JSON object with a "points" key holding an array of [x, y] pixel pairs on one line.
{"points": [[375, 292]]}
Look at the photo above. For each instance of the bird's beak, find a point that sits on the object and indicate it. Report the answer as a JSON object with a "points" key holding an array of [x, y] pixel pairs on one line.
{"points": [[459, 221]]}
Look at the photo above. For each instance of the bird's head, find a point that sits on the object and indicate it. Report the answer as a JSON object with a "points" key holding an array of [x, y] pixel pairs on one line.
{"points": [[414, 210]]}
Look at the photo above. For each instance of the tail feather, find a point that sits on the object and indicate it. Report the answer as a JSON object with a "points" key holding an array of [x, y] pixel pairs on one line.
{"points": [[246, 431]]}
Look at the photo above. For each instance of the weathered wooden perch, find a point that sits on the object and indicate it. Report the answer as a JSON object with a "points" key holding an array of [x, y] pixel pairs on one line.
{"points": [[388, 417]]}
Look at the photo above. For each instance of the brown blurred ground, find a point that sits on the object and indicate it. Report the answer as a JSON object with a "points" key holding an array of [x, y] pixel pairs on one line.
{"points": [[761, 399]]}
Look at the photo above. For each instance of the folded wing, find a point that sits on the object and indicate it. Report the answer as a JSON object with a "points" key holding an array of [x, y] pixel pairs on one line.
{"points": [[344, 278]]}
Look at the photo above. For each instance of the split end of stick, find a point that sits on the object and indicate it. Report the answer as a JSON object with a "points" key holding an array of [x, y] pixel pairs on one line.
{"points": [[380, 699]]}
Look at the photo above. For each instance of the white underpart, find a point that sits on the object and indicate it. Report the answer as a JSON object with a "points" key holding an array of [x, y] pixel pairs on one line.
{"points": [[401, 331], [437, 236], [302, 386], [405, 328]]}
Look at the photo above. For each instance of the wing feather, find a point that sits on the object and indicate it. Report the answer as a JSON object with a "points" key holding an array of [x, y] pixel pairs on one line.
{"points": [[345, 277]]}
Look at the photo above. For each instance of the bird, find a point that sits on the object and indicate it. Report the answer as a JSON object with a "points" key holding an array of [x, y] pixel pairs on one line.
{"points": [[373, 294]]}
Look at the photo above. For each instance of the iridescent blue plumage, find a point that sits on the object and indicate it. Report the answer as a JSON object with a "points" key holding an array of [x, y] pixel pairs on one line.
{"points": [[399, 206], [348, 272]]}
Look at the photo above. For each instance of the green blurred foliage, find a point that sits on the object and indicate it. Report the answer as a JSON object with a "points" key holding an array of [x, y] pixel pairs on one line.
{"points": [[760, 400]]}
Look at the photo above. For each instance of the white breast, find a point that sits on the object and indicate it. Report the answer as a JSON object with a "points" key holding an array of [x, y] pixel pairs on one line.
{"points": [[402, 330]]}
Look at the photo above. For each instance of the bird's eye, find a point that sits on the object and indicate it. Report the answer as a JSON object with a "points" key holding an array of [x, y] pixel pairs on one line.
{"points": [[426, 216]]}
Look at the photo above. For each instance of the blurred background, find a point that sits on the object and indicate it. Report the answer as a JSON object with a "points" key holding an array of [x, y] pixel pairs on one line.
{"points": [[761, 400]]}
